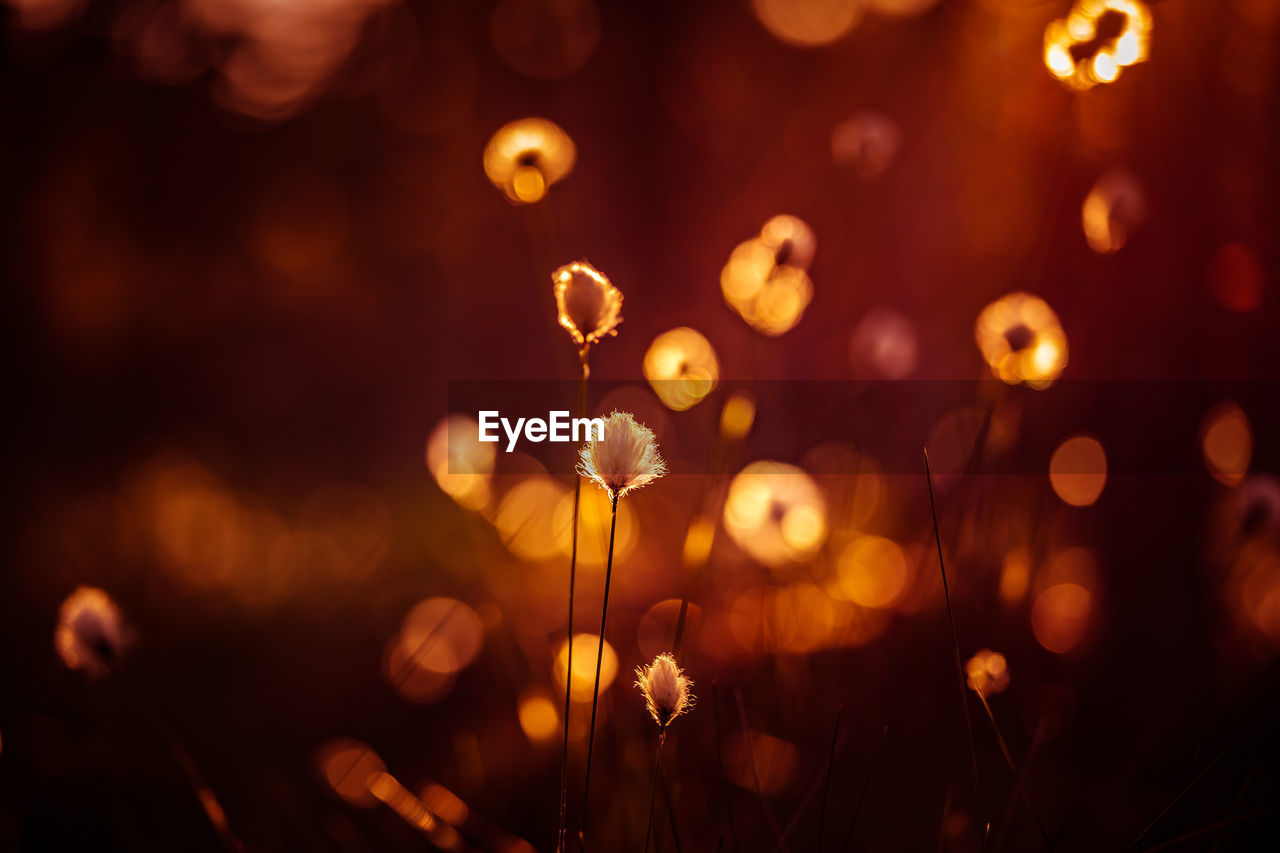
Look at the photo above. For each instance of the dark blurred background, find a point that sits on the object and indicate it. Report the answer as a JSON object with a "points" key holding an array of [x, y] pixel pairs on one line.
{"points": [[250, 243]]}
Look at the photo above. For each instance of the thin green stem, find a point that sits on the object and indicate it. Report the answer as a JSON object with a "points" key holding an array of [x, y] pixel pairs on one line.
{"points": [[826, 785], [724, 783], [595, 696], [1013, 768], [573, 575], [755, 772], [866, 783], [671, 810], [653, 788], [955, 645], [1174, 802], [1215, 827]]}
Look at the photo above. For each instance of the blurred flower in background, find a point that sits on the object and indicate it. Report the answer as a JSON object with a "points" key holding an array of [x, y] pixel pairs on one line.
{"points": [[524, 158], [775, 513], [988, 672], [1113, 209], [766, 281], [1021, 340], [866, 143], [91, 634], [1096, 41], [681, 368]]}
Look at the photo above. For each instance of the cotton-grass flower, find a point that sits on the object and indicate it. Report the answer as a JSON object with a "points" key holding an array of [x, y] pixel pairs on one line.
{"points": [[624, 459], [91, 633], [667, 696], [666, 689], [589, 306], [1021, 340]]}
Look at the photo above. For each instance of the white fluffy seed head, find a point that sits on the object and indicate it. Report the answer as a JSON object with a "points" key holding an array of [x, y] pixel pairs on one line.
{"points": [[666, 690], [625, 459]]}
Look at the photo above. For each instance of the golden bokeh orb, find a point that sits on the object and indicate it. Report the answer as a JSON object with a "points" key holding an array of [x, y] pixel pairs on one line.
{"points": [[460, 463], [539, 718], [1060, 616], [526, 518], [585, 648], [776, 513], [681, 367], [1078, 470], [594, 521], [348, 766], [737, 416], [1226, 441], [872, 572], [808, 23]]}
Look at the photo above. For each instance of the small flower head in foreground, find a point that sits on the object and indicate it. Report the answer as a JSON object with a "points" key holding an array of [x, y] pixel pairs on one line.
{"points": [[624, 459], [91, 634], [665, 689], [590, 307]]}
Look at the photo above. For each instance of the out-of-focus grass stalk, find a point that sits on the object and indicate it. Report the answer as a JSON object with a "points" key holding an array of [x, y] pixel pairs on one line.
{"points": [[826, 785], [573, 576], [653, 788], [595, 695], [866, 783], [955, 645], [1013, 768], [755, 772], [724, 780], [1172, 803]]}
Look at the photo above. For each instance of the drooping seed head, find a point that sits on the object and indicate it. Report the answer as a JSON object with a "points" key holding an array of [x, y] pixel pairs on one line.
{"points": [[589, 306]]}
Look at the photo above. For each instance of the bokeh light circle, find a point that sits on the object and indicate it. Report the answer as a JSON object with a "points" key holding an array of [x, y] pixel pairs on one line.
{"points": [[776, 513], [1078, 470]]}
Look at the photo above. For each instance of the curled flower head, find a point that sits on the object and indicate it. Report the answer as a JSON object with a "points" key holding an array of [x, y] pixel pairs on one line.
{"points": [[91, 633], [624, 459], [524, 158], [590, 307], [665, 689]]}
